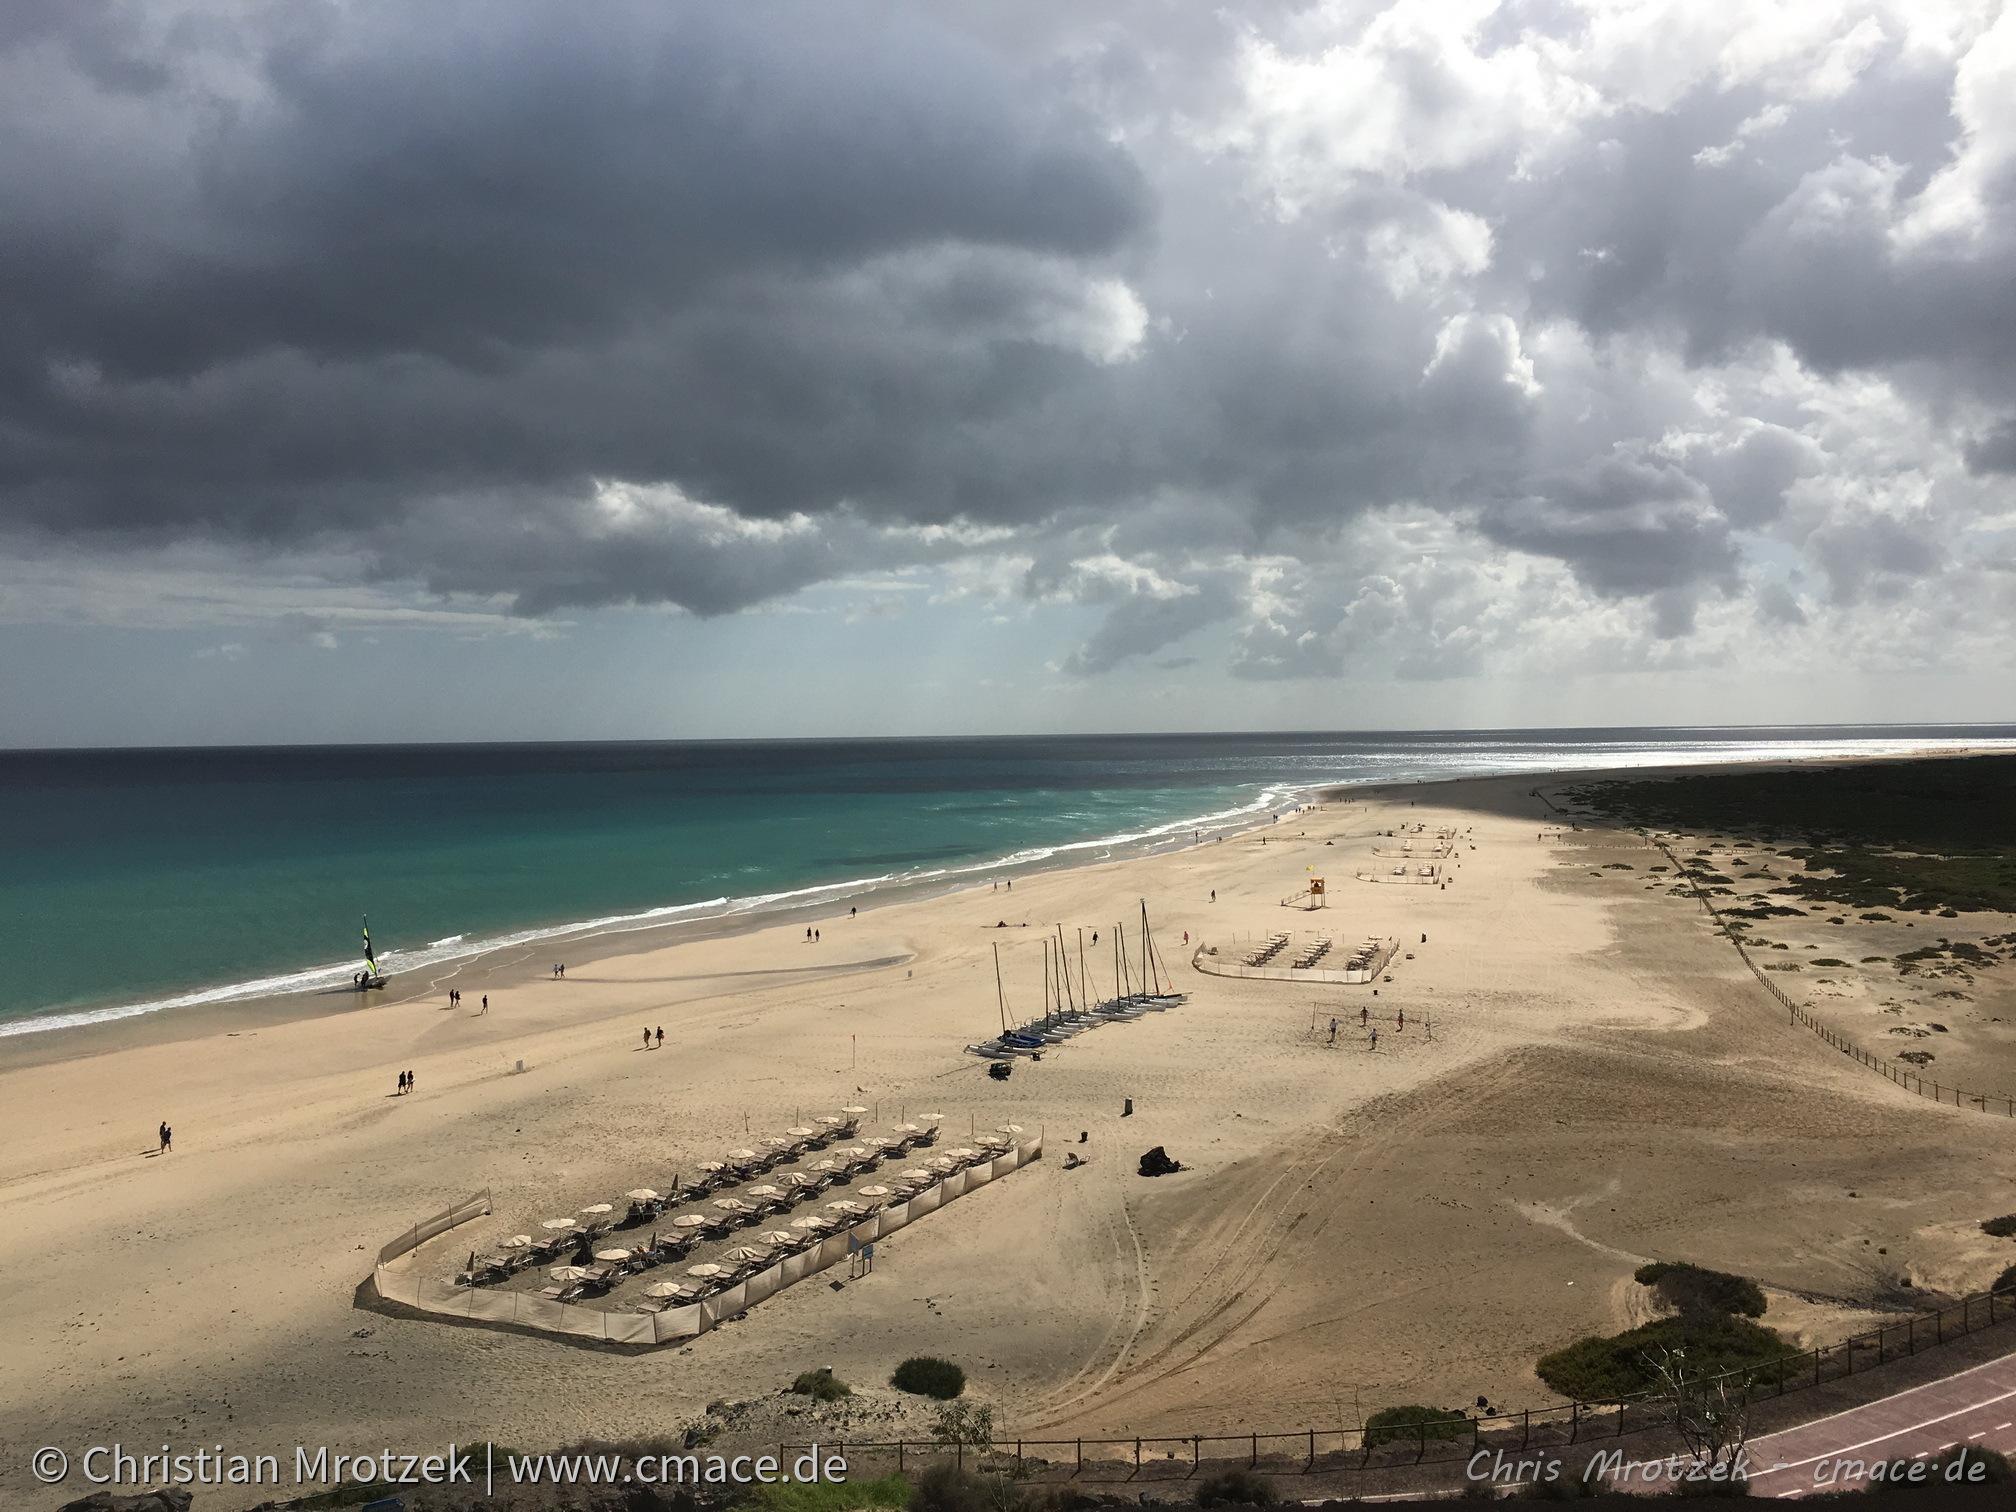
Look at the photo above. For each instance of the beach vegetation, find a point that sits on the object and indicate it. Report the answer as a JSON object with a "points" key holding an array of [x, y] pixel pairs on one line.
{"points": [[892, 1493], [1690, 1289], [927, 1375], [967, 1423], [1236, 1488], [1411, 1424], [1827, 961], [821, 1385], [1599, 1369]]}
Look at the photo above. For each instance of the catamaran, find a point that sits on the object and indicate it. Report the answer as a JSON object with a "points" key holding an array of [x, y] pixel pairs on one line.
{"points": [[370, 976]]}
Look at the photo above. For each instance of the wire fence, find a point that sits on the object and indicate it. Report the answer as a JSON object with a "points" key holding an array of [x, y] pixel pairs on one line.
{"points": [[1311, 1451], [1910, 1081]]}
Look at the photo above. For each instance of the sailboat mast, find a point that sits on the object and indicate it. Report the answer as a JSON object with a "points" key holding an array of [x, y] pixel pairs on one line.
{"points": [[1000, 992]]}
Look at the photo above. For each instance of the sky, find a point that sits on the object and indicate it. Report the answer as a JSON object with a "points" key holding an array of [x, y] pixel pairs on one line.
{"points": [[531, 370]]}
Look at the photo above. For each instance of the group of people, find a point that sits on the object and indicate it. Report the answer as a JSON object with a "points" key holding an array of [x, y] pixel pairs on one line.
{"points": [[455, 997], [405, 1083], [167, 1137], [560, 969], [647, 1039]]}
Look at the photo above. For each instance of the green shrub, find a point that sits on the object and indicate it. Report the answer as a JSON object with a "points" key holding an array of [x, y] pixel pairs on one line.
{"points": [[947, 1488], [1236, 1488], [926, 1375], [1827, 961], [822, 1385], [2006, 1281], [1409, 1425], [1696, 1289], [2000, 1228], [1995, 1469], [1603, 1369], [892, 1493]]}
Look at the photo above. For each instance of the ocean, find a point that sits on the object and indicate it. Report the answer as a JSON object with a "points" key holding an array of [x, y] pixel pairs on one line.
{"points": [[138, 881]]}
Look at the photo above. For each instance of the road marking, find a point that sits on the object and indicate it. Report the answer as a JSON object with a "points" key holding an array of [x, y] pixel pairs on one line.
{"points": [[1897, 1433]]}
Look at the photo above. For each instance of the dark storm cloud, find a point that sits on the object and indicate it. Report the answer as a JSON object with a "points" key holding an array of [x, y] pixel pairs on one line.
{"points": [[670, 303]]}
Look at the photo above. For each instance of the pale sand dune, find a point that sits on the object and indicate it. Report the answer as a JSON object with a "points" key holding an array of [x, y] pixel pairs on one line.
{"points": [[1604, 1081]]}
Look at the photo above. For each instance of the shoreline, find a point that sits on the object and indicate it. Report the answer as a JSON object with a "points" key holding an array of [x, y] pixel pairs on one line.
{"points": [[493, 964], [174, 1018]]}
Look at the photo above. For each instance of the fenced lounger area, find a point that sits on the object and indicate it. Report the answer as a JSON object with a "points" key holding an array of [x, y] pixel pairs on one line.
{"points": [[1278, 958], [749, 1270]]}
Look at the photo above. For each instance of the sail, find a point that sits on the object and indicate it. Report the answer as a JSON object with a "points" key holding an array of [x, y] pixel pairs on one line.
{"points": [[370, 960]]}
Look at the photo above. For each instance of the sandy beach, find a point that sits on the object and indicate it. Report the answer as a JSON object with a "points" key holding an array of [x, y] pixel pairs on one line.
{"points": [[1588, 1077]]}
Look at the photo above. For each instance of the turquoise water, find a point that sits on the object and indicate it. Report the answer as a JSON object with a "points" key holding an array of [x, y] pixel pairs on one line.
{"points": [[137, 881]]}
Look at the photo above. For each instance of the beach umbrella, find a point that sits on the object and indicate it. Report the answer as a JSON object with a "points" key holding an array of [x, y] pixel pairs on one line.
{"points": [[880, 1141], [777, 1144], [876, 1191], [905, 1128], [557, 1223], [944, 1163], [859, 1152], [597, 1207], [711, 1166], [703, 1270], [800, 1179], [828, 1118], [854, 1110], [690, 1220], [1008, 1128], [778, 1236], [663, 1289], [516, 1241], [642, 1194], [960, 1154], [567, 1273], [830, 1165], [932, 1118], [743, 1254], [742, 1155], [765, 1190], [612, 1257], [801, 1131], [918, 1173], [731, 1204], [844, 1206], [811, 1221]]}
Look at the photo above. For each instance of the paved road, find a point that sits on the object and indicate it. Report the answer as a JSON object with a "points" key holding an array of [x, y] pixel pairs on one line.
{"points": [[1977, 1406]]}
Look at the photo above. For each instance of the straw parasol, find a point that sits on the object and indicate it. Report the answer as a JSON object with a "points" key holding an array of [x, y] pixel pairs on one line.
{"points": [[776, 1143], [612, 1257], [703, 1270], [959, 1154], [642, 1194], [690, 1220], [663, 1289], [744, 1253], [801, 1131], [919, 1173], [844, 1205], [880, 1141], [854, 1110], [731, 1204], [778, 1236], [876, 1191], [743, 1155], [811, 1221], [516, 1241], [599, 1207], [556, 1223], [1008, 1128], [828, 1118], [830, 1164], [711, 1166], [765, 1190], [800, 1179], [567, 1273], [905, 1128], [932, 1118]]}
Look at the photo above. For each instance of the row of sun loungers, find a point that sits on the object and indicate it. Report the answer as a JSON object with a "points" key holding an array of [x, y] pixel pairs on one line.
{"points": [[1276, 943], [578, 1279], [1311, 956]]}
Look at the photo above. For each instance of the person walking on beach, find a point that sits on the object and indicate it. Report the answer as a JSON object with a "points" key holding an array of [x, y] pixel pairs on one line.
{"points": [[411, 1078], [486, 1002], [661, 1036], [1375, 1039], [167, 1137], [1403, 1018], [647, 1039], [1214, 895], [1363, 1015], [402, 1085], [1333, 1031]]}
